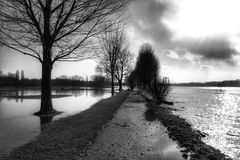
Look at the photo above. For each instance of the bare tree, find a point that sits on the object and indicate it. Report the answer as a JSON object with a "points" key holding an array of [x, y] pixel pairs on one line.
{"points": [[160, 89], [55, 30], [123, 66], [131, 79], [113, 44]]}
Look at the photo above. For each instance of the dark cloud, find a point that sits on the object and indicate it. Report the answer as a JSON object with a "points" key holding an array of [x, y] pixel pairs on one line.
{"points": [[217, 48], [147, 20]]}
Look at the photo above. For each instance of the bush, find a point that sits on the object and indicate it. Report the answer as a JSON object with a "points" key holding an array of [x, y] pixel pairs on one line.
{"points": [[160, 90]]}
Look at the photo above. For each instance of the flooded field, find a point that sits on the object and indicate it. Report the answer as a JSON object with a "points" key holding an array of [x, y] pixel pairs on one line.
{"points": [[18, 125], [213, 110]]}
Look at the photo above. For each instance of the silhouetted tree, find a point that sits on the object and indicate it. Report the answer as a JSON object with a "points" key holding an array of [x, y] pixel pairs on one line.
{"points": [[22, 75], [113, 45], [131, 79], [1, 78], [98, 80], [55, 30], [147, 73], [16, 78], [147, 66], [123, 66], [160, 89], [76, 77], [17, 75]]}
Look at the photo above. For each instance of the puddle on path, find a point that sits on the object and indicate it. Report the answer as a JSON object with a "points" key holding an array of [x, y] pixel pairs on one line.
{"points": [[131, 135]]}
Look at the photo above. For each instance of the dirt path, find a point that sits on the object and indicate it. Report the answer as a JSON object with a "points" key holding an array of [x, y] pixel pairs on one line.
{"points": [[133, 134]]}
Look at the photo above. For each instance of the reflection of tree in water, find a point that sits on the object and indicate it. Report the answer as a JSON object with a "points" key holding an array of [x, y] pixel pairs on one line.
{"points": [[150, 115], [22, 92], [86, 93], [18, 95], [93, 92], [1, 96], [74, 93], [97, 91], [77, 93], [45, 119]]}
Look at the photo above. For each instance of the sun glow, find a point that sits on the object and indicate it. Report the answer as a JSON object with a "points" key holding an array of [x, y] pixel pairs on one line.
{"points": [[199, 18]]}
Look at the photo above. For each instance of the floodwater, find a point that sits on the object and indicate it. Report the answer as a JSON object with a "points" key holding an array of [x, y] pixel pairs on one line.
{"points": [[18, 125], [213, 110]]}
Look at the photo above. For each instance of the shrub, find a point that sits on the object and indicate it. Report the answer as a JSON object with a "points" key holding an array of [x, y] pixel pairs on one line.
{"points": [[160, 90]]}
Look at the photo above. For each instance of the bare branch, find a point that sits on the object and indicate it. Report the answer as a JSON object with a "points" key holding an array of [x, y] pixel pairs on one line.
{"points": [[25, 53], [60, 29]]}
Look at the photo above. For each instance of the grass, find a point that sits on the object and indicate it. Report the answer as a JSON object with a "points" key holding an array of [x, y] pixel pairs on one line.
{"points": [[68, 138], [182, 132]]}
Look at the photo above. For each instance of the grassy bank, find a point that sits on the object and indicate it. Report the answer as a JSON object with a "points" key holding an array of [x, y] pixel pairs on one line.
{"points": [[69, 137], [188, 138]]}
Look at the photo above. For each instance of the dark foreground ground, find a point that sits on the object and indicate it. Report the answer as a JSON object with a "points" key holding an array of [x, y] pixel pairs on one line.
{"points": [[181, 131], [67, 138]]}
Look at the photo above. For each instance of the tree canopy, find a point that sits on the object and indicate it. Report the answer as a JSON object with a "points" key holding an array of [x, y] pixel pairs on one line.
{"points": [[69, 27], [147, 66]]}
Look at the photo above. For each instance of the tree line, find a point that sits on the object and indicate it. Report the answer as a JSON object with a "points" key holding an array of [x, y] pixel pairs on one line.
{"points": [[146, 74], [11, 79], [226, 83], [14, 80]]}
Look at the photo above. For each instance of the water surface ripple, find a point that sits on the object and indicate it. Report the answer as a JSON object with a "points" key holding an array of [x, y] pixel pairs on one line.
{"points": [[213, 110]]}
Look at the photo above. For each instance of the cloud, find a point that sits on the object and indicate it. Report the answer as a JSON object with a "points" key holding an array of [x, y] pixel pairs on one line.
{"points": [[205, 69], [147, 19], [172, 54], [217, 48], [148, 22]]}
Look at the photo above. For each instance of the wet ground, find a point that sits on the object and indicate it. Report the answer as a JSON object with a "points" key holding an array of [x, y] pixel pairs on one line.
{"points": [[18, 125], [134, 134]]}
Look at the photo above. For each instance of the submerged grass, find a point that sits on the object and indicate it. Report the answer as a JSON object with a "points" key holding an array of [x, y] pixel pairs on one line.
{"points": [[185, 135], [68, 138]]}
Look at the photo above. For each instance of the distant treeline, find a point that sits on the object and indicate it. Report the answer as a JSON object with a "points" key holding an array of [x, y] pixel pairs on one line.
{"points": [[228, 83], [14, 80]]}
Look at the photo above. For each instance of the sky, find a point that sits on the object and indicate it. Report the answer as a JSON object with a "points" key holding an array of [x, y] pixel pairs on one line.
{"points": [[195, 41]]}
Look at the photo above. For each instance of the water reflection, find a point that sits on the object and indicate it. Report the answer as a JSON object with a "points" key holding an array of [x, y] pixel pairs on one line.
{"points": [[18, 125], [98, 92], [214, 111], [74, 93], [45, 119], [150, 115]]}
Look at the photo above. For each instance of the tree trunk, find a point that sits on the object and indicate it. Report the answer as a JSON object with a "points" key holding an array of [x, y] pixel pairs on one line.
{"points": [[46, 98], [112, 76], [120, 85]]}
